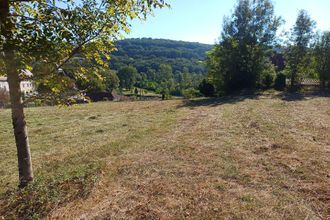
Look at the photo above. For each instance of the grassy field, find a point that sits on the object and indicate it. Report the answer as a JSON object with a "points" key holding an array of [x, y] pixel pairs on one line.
{"points": [[246, 157]]}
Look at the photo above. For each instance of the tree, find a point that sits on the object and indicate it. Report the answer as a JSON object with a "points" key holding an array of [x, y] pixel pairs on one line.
{"points": [[50, 34], [243, 52], [106, 83], [147, 53], [322, 54], [111, 81], [165, 79], [297, 50], [141, 80], [127, 77], [165, 73], [267, 75], [185, 80], [151, 74]]}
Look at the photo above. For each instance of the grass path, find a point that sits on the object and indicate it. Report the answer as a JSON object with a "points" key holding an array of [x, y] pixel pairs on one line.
{"points": [[243, 158]]}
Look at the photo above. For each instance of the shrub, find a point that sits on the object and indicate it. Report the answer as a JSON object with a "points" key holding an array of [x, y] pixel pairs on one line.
{"points": [[280, 81], [267, 81], [206, 88], [176, 92], [190, 93], [267, 76]]}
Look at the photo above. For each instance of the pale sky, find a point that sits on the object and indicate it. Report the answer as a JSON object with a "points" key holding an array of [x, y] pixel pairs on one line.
{"points": [[201, 20]]}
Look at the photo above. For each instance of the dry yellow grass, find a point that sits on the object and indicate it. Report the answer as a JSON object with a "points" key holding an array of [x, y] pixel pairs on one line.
{"points": [[257, 157]]}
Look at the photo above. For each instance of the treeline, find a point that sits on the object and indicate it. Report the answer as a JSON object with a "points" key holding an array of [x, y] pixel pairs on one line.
{"points": [[164, 66], [147, 53], [250, 56]]}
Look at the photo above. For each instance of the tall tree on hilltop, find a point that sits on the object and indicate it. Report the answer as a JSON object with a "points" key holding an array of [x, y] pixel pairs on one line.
{"points": [[298, 46], [50, 34], [242, 55]]}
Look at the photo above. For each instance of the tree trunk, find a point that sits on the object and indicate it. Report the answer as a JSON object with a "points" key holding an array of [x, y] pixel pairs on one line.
{"points": [[293, 77], [18, 119], [12, 71]]}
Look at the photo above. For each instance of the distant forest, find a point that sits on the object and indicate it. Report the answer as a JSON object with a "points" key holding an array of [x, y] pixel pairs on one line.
{"points": [[147, 53]]}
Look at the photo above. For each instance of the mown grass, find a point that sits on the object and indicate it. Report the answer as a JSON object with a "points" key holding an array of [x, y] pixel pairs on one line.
{"points": [[70, 146], [48, 192], [244, 157]]}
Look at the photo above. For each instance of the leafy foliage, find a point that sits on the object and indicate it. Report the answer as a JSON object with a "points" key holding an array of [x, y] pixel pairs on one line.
{"points": [[297, 51], [322, 54], [268, 75], [46, 35], [107, 82], [241, 58], [127, 77], [206, 88], [148, 54], [280, 81], [190, 93], [164, 66]]}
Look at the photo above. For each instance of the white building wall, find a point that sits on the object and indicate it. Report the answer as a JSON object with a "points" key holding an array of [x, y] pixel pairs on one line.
{"points": [[26, 86], [4, 85]]}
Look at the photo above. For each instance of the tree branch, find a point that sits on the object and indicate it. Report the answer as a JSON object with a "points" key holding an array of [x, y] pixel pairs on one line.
{"points": [[77, 49]]}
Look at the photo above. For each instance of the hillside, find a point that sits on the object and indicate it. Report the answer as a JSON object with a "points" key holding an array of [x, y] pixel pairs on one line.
{"points": [[245, 157], [150, 53]]}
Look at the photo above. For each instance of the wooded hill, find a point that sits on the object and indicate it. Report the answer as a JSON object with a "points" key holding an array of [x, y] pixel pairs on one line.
{"points": [[148, 53]]}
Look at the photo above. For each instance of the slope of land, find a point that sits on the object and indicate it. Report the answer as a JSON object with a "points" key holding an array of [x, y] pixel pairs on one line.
{"points": [[247, 157], [147, 53]]}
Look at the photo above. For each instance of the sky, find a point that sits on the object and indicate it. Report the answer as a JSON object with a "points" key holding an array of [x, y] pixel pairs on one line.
{"points": [[201, 20]]}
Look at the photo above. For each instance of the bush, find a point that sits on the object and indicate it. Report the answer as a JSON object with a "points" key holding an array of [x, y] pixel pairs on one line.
{"points": [[280, 82], [152, 86], [176, 92], [190, 93], [267, 81], [267, 76], [206, 88]]}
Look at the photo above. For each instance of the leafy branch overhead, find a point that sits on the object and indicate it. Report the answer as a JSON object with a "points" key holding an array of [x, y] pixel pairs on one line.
{"points": [[50, 33]]}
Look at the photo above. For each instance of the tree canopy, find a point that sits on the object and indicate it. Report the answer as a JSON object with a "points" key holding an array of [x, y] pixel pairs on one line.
{"points": [[50, 33], [146, 53], [322, 54], [301, 37], [241, 58], [127, 77]]}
